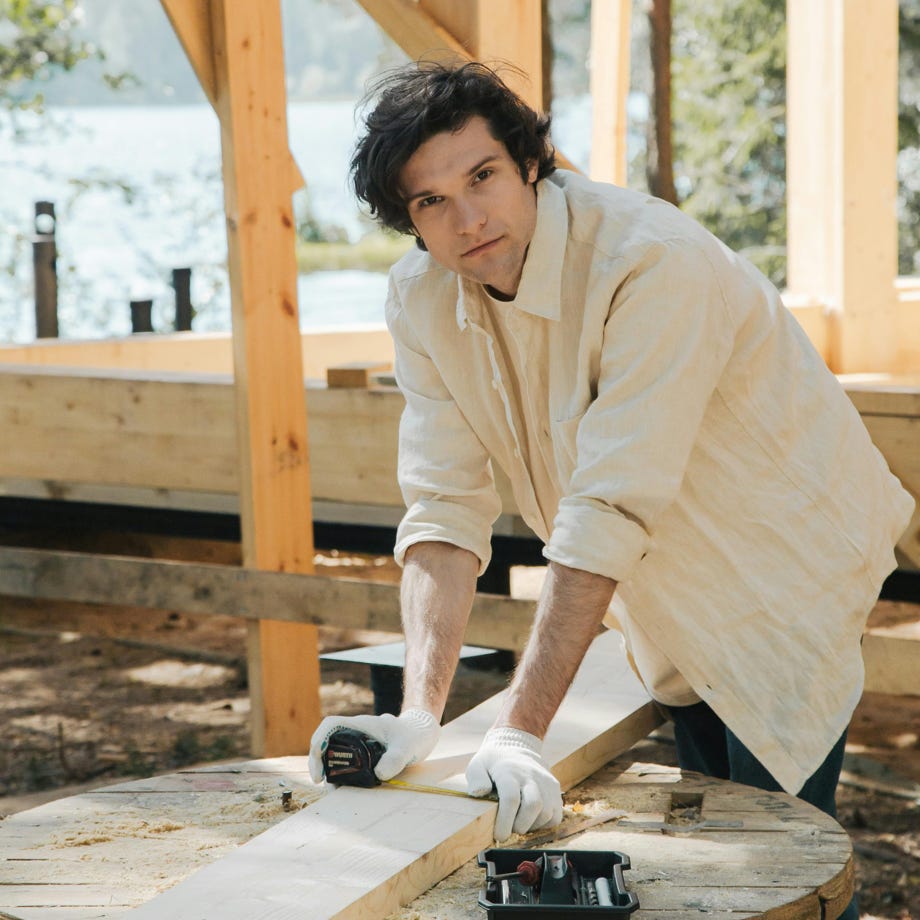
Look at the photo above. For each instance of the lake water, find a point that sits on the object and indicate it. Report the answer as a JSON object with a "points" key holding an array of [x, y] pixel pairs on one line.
{"points": [[137, 192]]}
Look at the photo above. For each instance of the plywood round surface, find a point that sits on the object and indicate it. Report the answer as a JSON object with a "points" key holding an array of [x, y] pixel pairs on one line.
{"points": [[699, 847]]}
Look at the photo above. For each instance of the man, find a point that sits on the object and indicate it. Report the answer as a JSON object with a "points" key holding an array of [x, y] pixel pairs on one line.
{"points": [[669, 433]]}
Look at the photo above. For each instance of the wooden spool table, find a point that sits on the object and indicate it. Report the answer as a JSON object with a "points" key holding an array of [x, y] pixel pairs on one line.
{"points": [[698, 846]]}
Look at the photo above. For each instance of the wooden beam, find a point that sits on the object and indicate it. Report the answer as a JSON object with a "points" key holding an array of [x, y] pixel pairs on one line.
{"points": [[499, 31], [483, 30], [360, 853], [271, 414], [176, 432], [609, 62], [898, 438], [226, 590], [191, 21], [842, 130], [892, 663], [199, 352], [354, 374], [415, 30]]}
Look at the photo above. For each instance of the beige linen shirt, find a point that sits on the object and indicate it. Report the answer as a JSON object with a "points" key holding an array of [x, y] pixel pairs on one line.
{"points": [[664, 422]]}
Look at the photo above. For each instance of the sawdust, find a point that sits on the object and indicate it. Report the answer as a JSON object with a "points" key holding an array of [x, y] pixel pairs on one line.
{"points": [[72, 714], [86, 841]]}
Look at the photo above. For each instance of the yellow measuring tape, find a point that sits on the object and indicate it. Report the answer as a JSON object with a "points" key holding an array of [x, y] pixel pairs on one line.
{"points": [[416, 787]]}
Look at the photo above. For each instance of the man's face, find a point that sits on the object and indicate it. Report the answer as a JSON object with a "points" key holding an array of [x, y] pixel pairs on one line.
{"points": [[470, 206]]}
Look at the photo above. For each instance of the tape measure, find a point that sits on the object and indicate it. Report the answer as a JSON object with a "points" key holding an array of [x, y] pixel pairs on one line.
{"points": [[350, 758]]}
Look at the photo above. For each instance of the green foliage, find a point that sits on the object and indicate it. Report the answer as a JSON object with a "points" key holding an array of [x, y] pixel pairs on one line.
{"points": [[374, 252], [36, 39], [729, 95]]}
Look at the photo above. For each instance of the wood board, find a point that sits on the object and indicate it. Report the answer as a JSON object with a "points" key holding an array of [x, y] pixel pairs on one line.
{"points": [[362, 853], [497, 621]]}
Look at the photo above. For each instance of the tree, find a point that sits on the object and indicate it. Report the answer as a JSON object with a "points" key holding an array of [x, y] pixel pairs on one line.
{"points": [[729, 64], [659, 162], [36, 39]]}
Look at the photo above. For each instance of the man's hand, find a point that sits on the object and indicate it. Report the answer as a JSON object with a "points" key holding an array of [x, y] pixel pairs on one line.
{"points": [[408, 738], [528, 794]]}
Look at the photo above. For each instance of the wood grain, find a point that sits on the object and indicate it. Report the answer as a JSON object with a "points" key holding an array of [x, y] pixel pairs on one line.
{"points": [[361, 853], [271, 423], [201, 588]]}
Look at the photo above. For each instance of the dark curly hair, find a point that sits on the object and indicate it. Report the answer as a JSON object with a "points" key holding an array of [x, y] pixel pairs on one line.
{"points": [[416, 102]]}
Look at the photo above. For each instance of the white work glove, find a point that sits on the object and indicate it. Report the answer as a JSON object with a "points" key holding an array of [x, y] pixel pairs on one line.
{"points": [[529, 795], [408, 738]]}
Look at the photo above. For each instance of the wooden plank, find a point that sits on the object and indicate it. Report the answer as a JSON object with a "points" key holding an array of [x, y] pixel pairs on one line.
{"points": [[176, 432], [363, 852], [883, 394], [354, 374], [191, 21], [892, 662], [898, 438], [609, 60], [200, 352], [271, 415], [207, 588]]}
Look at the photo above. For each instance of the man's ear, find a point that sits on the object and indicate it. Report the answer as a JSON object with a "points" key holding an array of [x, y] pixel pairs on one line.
{"points": [[533, 167]]}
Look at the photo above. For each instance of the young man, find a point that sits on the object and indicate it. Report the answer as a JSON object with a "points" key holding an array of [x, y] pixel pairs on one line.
{"points": [[668, 430]]}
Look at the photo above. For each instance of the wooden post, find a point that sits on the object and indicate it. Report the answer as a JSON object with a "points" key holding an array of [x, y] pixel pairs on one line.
{"points": [[141, 316], [275, 507], [191, 21], [842, 89], [44, 262], [610, 25], [182, 285]]}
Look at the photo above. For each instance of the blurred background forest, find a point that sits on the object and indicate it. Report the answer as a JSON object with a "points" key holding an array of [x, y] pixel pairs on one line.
{"points": [[108, 71]]}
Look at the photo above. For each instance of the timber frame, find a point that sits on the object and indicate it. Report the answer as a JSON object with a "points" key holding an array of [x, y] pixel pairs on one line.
{"points": [[842, 269], [91, 419]]}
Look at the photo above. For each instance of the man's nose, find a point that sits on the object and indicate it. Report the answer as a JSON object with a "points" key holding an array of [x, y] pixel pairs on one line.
{"points": [[469, 216]]}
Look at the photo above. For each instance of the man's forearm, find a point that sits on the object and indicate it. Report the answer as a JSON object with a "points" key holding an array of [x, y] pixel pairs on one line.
{"points": [[438, 586], [569, 614]]}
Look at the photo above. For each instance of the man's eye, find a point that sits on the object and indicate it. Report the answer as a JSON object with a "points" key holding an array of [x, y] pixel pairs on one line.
{"points": [[429, 201], [483, 174]]}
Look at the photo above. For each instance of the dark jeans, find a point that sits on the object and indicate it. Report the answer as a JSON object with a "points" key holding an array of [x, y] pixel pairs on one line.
{"points": [[706, 745]]}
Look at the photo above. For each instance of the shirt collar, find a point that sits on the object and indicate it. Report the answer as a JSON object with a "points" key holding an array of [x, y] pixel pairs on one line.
{"points": [[540, 290]]}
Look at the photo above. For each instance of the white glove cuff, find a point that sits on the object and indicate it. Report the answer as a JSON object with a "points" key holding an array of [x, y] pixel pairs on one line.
{"points": [[515, 739], [421, 718]]}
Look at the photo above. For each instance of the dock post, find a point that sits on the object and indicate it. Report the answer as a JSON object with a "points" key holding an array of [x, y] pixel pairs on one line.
{"points": [[141, 319], [44, 262], [182, 285]]}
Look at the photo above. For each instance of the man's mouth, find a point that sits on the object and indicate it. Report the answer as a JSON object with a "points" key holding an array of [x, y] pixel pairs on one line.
{"points": [[481, 248]]}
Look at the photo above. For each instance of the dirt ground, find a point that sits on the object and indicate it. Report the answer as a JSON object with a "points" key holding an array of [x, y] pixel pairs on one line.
{"points": [[89, 698]]}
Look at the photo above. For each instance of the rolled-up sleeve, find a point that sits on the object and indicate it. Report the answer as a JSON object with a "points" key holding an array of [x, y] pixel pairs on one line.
{"points": [[445, 473], [667, 339]]}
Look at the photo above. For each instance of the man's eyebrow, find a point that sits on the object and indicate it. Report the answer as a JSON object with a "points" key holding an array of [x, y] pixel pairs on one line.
{"points": [[425, 193]]}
